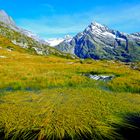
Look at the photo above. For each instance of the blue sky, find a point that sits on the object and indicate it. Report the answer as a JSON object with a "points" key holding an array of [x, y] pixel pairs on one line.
{"points": [[57, 18]]}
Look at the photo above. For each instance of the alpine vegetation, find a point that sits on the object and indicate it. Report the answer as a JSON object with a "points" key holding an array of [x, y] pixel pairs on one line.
{"points": [[85, 87]]}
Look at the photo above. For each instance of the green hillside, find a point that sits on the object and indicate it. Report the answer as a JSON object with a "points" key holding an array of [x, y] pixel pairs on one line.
{"points": [[33, 46]]}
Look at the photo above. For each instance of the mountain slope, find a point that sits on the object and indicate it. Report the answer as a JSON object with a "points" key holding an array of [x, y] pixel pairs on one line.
{"points": [[9, 23], [99, 42], [7, 46], [6, 19], [24, 38]]}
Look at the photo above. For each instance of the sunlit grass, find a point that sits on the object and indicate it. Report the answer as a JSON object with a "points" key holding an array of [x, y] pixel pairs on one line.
{"points": [[55, 113], [48, 97]]}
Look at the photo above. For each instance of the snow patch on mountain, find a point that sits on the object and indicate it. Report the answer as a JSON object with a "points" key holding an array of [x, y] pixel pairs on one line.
{"points": [[56, 41]]}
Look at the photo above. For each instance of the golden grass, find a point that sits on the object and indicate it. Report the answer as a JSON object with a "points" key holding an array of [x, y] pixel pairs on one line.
{"points": [[49, 98], [64, 111]]}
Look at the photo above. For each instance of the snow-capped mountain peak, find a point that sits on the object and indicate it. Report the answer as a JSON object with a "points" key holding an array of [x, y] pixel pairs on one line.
{"points": [[98, 41], [94, 26]]}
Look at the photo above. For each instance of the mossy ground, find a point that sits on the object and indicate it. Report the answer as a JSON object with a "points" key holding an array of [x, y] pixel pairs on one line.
{"points": [[47, 97]]}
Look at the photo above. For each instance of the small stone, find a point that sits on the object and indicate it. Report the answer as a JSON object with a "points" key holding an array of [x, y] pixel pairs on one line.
{"points": [[3, 56]]}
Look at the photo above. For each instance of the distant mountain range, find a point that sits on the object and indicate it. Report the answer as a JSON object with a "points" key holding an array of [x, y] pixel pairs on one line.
{"points": [[96, 41], [99, 42]]}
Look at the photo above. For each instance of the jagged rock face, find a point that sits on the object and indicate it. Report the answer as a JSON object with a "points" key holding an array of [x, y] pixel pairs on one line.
{"points": [[136, 34], [100, 42], [67, 45]]}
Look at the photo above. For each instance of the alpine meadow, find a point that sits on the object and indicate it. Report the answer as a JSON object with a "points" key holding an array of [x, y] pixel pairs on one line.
{"points": [[85, 87]]}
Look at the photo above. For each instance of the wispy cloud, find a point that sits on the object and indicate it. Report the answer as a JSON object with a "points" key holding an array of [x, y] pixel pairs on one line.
{"points": [[48, 6], [54, 25], [126, 19]]}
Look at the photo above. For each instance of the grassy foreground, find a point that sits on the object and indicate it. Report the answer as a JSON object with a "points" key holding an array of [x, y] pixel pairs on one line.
{"points": [[49, 98]]}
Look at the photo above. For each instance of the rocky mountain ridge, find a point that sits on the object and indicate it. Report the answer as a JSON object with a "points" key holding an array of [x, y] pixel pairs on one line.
{"points": [[100, 42]]}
